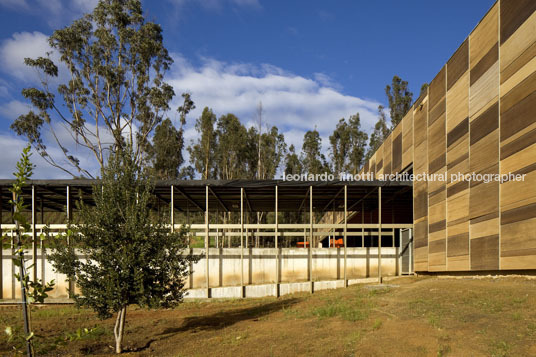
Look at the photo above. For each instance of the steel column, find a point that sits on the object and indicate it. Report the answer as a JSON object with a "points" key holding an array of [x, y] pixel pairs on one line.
{"points": [[243, 290], [207, 243], [379, 235], [345, 233], [277, 266], [34, 238], [172, 208], [310, 262]]}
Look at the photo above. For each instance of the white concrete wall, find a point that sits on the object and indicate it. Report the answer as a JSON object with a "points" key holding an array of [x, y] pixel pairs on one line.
{"points": [[259, 267]]}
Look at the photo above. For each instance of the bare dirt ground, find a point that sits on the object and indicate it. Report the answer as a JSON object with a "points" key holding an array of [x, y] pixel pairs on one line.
{"points": [[422, 316]]}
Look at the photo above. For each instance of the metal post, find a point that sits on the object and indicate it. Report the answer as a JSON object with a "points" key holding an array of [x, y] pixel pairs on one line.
{"points": [[379, 235], [68, 215], [207, 245], [242, 242], [172, 208], [1, 248], [363, 223], [34, 238], [345, 232], [311, 238], [277, 266]]}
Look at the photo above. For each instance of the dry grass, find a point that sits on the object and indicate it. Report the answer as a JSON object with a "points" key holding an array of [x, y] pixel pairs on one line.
{"points": [[415, 316]]}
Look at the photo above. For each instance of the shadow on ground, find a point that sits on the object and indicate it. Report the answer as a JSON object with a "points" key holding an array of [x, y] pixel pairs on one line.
{"points": [[227, 318]]}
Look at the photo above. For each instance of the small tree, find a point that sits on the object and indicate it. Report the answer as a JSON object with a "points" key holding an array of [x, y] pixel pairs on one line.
{"points": [[31, 290], [132, 257]]}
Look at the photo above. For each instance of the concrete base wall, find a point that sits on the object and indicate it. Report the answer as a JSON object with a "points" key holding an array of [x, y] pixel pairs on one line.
{"points": [[259, 266]]}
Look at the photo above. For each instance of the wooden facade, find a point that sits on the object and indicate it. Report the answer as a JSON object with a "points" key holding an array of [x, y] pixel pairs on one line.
{"points": [[478, 116]]}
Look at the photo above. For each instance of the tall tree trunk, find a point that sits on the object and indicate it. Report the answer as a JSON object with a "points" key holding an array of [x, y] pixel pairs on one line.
{"points": [[119, 329]]}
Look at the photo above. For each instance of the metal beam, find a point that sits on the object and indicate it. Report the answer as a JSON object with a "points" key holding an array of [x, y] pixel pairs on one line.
{"points": [[333, 199], [304, 200], [247, 200], [218, 198], [190, 199]]}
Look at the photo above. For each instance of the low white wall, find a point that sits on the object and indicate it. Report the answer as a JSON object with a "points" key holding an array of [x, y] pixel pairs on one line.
{"points": [[259, 266]]}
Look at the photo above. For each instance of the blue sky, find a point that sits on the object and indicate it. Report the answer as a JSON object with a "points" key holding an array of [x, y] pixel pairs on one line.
{"points": [[309, 62]]}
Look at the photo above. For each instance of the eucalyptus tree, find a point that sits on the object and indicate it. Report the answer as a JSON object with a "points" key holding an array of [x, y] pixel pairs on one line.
{"points": [[400, 99], [231, 147], [107, 88], [314, 162], [348, 144], [203, 151], [380, 133], [293, 165]]}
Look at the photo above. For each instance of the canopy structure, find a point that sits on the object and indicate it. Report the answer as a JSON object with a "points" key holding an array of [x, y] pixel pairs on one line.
{"points": [[224, 195]]}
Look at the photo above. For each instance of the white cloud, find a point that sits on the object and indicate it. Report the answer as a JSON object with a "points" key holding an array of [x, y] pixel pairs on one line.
{"points": [[55, 12], [12, 109], [19, 46], [11, 147], [293, 103]]}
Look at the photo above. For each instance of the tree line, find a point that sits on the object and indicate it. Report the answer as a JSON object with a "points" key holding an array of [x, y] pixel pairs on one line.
{"points": [[226, 149]]}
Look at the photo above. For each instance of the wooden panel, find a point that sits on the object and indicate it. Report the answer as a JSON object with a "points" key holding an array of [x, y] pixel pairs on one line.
{"points": [[437, 90], [420, 200], [421, 244], [518, 245], [407, 139], [485, 253], [513, 14], [518, 117], [458, 207], [519, 160], [485, 154], [458, 245], [485, 228], [397, 153], [387, 155], [485, 124], [420, 123], [518, 76], [518, 93], [458, 64], [484, 91], [484, 36], [484, 199], [515, 194], [485, 63], [459, 132], [458, 102], [519, 48]]}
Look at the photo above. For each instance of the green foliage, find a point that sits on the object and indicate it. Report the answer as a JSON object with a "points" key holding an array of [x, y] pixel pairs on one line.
{"points": [[348, 144], [400, 99], [167, 144], [293, 165], [116, 62], [231, 147], [314, 162], [380, 133], [203, 152], [33, 291], [132, 257], [424, 89]]}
